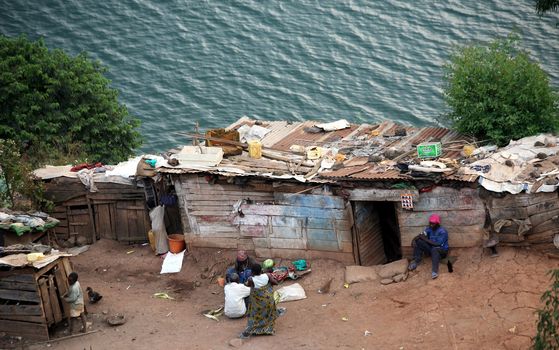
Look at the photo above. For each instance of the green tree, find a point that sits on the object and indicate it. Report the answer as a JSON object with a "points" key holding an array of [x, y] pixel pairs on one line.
{"points": [[56, 106], [547, 337], [543, 6], [18, 189], [497, 92]]}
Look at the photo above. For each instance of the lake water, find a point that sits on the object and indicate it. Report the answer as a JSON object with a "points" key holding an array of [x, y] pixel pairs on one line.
{"points": [[176, 63]]}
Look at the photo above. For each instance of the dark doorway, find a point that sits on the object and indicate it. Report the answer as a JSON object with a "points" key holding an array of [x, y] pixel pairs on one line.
{"points": [[377, 232]]}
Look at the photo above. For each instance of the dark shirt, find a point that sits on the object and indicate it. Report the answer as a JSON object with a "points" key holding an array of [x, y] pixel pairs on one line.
{"points": [[240, 266], [439, 236]]}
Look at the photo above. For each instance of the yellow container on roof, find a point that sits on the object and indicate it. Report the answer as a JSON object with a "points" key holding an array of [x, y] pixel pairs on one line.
{"points": [[255, 149]]}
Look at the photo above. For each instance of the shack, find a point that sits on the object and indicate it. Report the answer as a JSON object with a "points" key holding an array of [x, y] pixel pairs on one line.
{"points": [[97, 205], [360, 193], [31, 296]]}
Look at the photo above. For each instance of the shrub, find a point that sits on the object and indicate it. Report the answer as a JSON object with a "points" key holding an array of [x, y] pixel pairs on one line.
{"points": [[497, 93]]}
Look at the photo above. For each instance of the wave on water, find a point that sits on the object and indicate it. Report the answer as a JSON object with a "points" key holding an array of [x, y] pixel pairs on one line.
{"points": [[178, 63]]}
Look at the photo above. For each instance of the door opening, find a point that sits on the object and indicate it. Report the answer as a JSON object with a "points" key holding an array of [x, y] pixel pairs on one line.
{"points": [[377, 232]]}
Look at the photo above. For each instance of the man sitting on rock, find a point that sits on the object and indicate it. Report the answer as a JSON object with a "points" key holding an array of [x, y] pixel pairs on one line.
{"points": [[434, 242]]}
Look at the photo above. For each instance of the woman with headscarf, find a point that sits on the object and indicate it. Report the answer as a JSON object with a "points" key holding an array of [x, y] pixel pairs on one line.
{"points": [[434, 242], [261, 311]]}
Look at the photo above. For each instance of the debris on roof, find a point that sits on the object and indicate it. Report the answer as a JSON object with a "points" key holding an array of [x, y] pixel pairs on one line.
{"points": [[337, 151]]}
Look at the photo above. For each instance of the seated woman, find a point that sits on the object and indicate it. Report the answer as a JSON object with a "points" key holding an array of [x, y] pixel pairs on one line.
{"points": [[261, 311], [242, 267]]}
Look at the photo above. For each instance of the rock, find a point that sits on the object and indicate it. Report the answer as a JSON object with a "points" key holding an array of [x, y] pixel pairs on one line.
{"points": [[65, 244], [375, 159], [386, 281], [541, 155], [41, 248], [400, 131], [81, 241], [399, 278], [203, 276], [539, 144], [116, 320], [392, 153], [535, 173], [354, 274], [236, 342], [105, 312], [394, 268], [197, 284], [509, 162]]}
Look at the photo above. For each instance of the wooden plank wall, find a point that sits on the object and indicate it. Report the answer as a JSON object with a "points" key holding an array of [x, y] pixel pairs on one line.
{"points": [[369, 235], [132, 221], [21, 311], [299, 223], [275, 224], [207, 209], [31, 300], [112, 204], [462, 214], [539, 210]]}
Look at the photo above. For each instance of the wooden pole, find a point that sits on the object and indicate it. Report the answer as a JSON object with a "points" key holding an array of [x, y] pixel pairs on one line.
{"points": [[91, 217], [66, 337]]}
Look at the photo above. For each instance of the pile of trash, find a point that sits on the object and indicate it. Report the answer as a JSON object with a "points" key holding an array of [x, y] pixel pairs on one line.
{"points": [[530, 164]]}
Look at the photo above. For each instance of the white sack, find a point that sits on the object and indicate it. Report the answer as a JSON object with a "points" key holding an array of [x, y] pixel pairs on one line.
{"points": [[291, 293], [157, 216]]}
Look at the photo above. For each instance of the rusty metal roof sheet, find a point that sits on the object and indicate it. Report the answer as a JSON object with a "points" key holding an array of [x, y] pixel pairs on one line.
{"points": [[373, 139], [299, 136]]}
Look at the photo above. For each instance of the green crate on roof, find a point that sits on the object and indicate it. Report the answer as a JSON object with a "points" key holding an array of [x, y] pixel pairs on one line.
{"points": [[429, 150]]}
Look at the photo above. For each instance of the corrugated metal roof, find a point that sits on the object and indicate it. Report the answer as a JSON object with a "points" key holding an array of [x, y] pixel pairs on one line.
{"points": [[301, 137], [369, 139]]}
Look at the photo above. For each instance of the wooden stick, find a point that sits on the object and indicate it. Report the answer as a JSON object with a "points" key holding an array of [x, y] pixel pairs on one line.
{"points": [[66, 337], [309, 189], [93, 226]]}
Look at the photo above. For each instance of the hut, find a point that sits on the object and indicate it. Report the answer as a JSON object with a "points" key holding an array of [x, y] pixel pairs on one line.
{"points": [[98, 205], [360, 193], [31, 296]]}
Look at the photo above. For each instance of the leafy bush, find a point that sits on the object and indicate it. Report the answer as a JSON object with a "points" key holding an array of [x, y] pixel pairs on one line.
{"points": [[543, 6], [547, 337], [496, 92], [18, 189], [54, 105]]}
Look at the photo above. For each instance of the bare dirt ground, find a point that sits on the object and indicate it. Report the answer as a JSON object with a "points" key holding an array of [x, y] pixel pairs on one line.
{"points": [[487, 303]]}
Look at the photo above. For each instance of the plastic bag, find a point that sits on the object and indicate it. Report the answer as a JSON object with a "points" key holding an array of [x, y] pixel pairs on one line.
{"points": [[291, 293], [157, 216], [300, 265]]}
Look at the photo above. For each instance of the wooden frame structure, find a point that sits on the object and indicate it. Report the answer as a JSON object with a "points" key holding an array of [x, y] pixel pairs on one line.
{"points": [[116, 211], [31, 300]]}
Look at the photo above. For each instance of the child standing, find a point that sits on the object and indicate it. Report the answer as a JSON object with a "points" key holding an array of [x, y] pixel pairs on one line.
{"points": [[74, 297]]}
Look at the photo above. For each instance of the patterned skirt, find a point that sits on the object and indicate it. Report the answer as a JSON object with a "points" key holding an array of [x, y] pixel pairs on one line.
{"points": [[261, 311]]}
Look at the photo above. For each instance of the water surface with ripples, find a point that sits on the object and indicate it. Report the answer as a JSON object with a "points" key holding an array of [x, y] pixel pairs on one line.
{"points": [[178, 62]]}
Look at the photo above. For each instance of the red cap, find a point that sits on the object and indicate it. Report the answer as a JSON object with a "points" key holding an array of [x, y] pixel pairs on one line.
{"points": [[435, 219], [242, 255]]}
